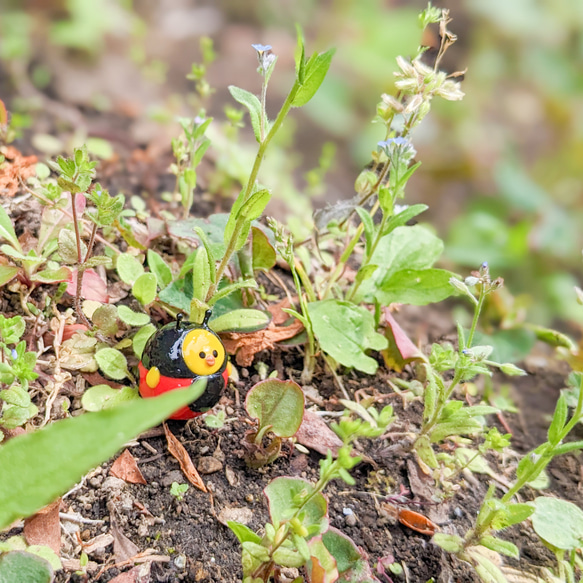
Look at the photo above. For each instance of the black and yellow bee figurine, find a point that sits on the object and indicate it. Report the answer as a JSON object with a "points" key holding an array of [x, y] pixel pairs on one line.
{"points": [[179, 354]]}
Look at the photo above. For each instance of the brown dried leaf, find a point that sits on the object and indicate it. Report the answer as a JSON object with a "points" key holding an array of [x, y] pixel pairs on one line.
{"points": [[315, 434], [139, 574], [186, 465], [246, 346], [44, 527], [123, 548], [126, 468], [15, 166], [277, 313]]}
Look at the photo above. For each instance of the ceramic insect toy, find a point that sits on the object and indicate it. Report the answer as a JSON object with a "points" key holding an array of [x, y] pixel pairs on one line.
{"points": [[179, 354]]}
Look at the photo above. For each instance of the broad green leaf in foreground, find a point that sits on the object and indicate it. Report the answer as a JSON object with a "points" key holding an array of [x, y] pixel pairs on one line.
{"points": [[345, 331], [558, 522], [37, 467]]}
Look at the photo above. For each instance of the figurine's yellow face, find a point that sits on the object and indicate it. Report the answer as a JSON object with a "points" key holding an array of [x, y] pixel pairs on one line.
{"points": [[203, 352]]}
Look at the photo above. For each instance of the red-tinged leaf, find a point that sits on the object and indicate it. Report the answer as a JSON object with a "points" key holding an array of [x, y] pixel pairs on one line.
{"points": [[401, 350], [125, 468], [315, 434], [52, 275], [92, 288], [44, 528]]}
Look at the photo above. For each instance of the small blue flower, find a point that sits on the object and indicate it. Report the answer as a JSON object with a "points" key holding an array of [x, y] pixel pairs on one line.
{"points": [[14, 354], [398, 148], [261, 48]]}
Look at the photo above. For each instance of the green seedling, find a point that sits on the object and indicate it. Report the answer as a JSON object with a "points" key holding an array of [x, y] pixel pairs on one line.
{"points": [[278, 407], [178, 490], [16, 371], [498, 513], [298, 534]]}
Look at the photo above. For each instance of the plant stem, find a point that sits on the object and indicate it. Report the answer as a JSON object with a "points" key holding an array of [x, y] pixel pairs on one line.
{"points": [[477, 311], [250, 184]]}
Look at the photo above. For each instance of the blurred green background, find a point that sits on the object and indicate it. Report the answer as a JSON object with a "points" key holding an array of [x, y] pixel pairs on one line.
{"points": [[502, 170]]}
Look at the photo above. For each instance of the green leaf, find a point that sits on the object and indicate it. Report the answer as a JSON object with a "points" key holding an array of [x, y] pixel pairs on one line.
{"points": [[244, 320], [313, 75], [403, 217], [451, 543], [159, 268], [128, 268], [277, 403], [416, 287], [213, 228], [17, 396], [25, 567], [512, 514], [144, 289], [568, 447], [243, 533], [253, 104], [558, 522], [488, 571], [131, 318], [405, 248], [100, 397], [97, 260], [105, 318], [285, 495], [264, 256], [141, 337], [201, 275], [7, 273], [500, 546], [248, 212], [559, 420], [7, 230], [112, 362], [209, 252], [288, 557], [342, 548], [229, 289], [321, 557], [46, 463], [425, 451], [68, 247], [345, 331]]}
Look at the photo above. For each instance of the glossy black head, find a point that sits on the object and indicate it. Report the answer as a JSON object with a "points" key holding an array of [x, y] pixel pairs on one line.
{"points": [[185, 350]]}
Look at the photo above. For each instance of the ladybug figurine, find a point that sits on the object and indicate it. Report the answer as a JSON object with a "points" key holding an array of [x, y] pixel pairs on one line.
{"points": [[176, 356]]}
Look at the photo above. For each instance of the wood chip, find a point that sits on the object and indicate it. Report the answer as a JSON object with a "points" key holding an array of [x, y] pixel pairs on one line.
{"points": [[246, 346], [44, 527], [186, 465], [15, 168], [209, 465], [126, 468]]}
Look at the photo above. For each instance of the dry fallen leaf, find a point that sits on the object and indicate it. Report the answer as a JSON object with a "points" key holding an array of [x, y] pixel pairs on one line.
{"points": [[44, 527], [123, 548], [126, 468], [315, 434], [246, 345], [99, 542], [15, 167], [186, 465], [139, 574], [278, 316]]}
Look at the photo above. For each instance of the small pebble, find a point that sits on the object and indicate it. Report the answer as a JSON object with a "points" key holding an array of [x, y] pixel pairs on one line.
{"points": [[347, 511], [180, 561], [350, 520], [458, 512], [249, 498]]}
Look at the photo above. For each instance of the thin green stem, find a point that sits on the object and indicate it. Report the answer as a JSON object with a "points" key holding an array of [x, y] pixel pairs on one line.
{"points": [[477, 311], [250, 184]]}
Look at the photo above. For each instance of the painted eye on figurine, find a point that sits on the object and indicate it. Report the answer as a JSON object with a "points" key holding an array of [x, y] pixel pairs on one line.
{"points": [[203, 352]]}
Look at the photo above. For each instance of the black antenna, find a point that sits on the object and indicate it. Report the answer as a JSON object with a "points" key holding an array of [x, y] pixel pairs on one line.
{"points": [[179, 318], [207, 316]]}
